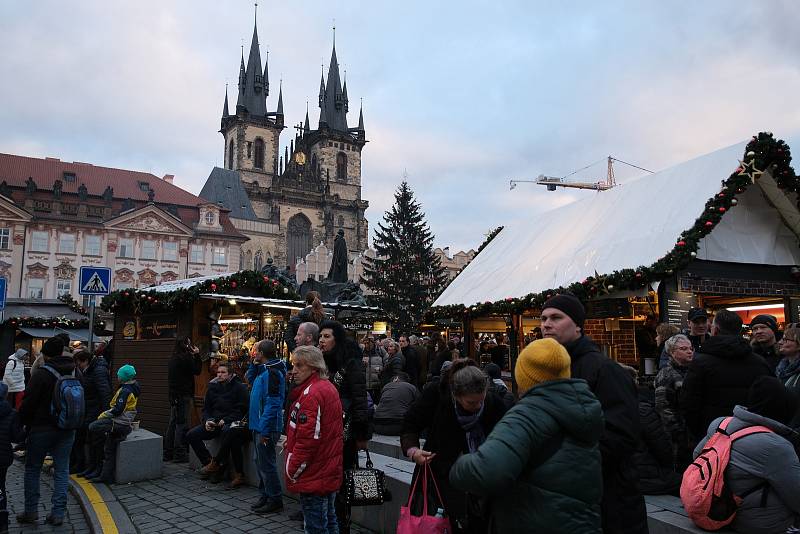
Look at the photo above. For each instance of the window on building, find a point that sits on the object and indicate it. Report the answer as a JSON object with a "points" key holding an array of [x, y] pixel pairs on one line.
{"points": [[259, 154], [69, 176], [210, 217], [66, 243], [91, 245], [258, 261], [148, 249], [144, 186], [63, 287], [196, 254], [126, 248], [170, 249], [219, 256], [5, 241], [341, 167], [230, 155], [40, 241], [249, 150], [241, 260], [86, 301], [36, 288]]}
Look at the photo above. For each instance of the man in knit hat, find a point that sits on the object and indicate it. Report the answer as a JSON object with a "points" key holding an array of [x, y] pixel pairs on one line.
{"points": [[623, 509], [764, 340], [543, 451]]}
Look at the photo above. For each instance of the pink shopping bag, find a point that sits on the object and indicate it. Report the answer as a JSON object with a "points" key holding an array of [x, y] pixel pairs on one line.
{"points": [[423, 524]]}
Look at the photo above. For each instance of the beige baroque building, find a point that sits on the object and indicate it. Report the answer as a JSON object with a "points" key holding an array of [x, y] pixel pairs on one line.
{"points": [[56, 216], [453, 263], [288, 203]]}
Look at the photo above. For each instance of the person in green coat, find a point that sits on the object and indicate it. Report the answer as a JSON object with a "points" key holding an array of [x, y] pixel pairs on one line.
{"points": [[540, 466]]}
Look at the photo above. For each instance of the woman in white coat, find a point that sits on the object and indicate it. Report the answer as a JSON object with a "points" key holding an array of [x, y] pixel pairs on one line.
{"points": [[14, 377]]}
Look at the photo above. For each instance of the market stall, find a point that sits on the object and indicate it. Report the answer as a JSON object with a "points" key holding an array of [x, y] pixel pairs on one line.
{"points": [[28, 323], [718, 231], [224, 316]]}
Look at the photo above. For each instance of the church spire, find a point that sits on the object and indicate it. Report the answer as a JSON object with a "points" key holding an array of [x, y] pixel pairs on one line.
{"points": [[225, 113], [333, 107], [344, 92], [280, 98], [361, 118], [306, 125], [241, 100], [255, 91]]}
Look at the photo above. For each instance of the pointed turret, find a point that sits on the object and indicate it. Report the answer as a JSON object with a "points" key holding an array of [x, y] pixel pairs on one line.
{"points": [[266, 74], [361, 117], [225, 113], [333, 112], [241, 100], [280, 99], [344, 92], [256, 95], [306, 125]]}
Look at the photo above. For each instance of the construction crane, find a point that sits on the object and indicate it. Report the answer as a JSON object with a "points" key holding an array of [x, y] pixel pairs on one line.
{"points": [[552, 182]]}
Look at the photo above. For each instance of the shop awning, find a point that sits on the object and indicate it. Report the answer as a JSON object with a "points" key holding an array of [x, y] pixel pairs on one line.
{"points": [[40, 309], [291, 304], [77, 334]]}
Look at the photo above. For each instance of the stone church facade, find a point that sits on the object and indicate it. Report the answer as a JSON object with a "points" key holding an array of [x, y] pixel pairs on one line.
{"points": [[288, 204]]}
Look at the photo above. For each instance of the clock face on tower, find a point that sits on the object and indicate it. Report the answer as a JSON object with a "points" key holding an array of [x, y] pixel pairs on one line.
{"points": [[210, 218]]}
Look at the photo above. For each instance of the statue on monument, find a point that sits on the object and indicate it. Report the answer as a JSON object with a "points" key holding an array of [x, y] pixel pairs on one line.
{"points": [[338, 270]]}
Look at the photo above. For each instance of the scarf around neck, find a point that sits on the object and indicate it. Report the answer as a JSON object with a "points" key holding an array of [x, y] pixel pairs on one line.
{"points": [[786, 368], [470, 424]]}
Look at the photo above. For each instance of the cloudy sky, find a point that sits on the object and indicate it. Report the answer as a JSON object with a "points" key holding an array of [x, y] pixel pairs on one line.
{"points": [[462, 95]]}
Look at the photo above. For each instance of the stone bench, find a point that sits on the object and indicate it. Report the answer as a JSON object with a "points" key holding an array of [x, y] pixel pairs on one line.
{"points": [[666, 515], [139, 457]]}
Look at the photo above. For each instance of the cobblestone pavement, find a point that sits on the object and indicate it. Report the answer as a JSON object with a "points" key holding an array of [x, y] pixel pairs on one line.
{"points": [[181, 502], [73, 522]]}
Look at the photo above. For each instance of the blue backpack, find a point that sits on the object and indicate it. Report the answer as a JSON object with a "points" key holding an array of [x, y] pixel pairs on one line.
{"points": [[69, 403]]}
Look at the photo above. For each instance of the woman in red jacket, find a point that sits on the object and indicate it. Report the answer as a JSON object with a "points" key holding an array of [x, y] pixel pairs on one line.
{"points": [[314, 441]]}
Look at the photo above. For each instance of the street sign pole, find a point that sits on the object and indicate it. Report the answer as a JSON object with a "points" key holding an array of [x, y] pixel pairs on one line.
{"points": [[91, 323]]}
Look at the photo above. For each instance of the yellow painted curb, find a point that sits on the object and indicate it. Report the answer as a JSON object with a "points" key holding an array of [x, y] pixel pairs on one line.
{"points": [[98, 505]]}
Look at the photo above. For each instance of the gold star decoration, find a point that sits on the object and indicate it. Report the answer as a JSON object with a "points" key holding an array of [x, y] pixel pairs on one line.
{"points": [[749, 169]]}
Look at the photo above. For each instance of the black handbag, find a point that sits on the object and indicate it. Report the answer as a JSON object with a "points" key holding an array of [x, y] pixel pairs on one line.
{"points": [[365, 486]]}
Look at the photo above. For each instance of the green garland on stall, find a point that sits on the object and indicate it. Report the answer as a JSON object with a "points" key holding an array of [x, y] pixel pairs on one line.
{"points": [[73, 304], [45, 322], [151, 301], [762, 153]]}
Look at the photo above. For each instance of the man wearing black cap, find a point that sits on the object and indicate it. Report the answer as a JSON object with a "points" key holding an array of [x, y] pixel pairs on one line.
{"points": [[698, 328], [764, 341], [720, 376], [623, 509]]}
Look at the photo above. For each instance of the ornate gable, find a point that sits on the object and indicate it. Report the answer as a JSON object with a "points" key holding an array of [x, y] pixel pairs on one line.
{"points": [[9, 212], [65, 271], [37, 270], [123, 275], [147, 277], [150, 219], [169, 276]]}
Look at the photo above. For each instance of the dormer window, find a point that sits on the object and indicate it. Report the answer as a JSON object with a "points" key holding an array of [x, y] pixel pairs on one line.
{"points": [[69, 176], [144, 186], [210, 218]]}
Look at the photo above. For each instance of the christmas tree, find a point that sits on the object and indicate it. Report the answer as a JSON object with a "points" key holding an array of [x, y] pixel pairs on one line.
{"points": [[406, 276]]}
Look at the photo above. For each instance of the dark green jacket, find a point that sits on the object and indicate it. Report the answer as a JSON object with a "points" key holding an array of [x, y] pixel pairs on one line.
{"points": [[540, 466]]}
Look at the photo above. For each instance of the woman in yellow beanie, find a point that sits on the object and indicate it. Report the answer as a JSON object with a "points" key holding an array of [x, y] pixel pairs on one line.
{"points": [[541, 464]]}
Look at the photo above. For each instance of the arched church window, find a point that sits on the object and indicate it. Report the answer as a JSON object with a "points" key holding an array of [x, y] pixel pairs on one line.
{"points": [[341, 167], [241, 260], [298, 239], [258, 261], [259, 154], [314, 164], [230, 155], [341, 221]]}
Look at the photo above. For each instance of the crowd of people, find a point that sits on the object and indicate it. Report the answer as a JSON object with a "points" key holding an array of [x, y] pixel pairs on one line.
{"points": [[61, 409], [574, 449]]}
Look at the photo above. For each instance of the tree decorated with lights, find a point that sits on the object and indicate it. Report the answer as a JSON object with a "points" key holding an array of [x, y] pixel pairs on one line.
{"points": [[406, 276]]}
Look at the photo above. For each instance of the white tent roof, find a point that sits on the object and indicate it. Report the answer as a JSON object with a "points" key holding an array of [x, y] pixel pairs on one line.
{"points": [[631, 225]]}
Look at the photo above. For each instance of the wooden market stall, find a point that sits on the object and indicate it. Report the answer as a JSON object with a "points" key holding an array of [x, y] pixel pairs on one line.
{"points": [[223, 315], [717, 231]]}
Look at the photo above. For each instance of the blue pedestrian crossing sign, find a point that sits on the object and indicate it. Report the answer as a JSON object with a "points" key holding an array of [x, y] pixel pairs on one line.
{"points": [[95, 281]]}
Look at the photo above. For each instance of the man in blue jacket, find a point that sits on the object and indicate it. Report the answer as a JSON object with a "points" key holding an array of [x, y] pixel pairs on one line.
{"points": [[267, 398]]}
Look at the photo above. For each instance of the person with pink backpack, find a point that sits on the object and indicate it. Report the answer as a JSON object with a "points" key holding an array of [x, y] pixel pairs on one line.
{"points": [[746, 472]]}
